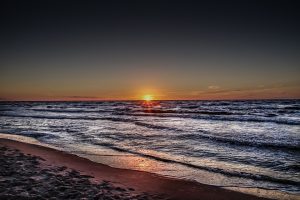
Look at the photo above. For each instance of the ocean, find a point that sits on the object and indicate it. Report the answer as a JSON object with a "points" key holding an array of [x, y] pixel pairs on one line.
{"points": [[248, 144]]}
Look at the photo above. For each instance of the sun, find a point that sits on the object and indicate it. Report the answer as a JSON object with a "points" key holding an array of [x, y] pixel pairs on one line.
{"points": [[147, 97]]}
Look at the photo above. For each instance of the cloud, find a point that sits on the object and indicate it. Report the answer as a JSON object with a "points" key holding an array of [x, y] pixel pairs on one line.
{"points": [[213, 87]]}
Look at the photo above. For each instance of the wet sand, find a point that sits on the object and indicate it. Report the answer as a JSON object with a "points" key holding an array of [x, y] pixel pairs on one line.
{"points": [[30, 171]]}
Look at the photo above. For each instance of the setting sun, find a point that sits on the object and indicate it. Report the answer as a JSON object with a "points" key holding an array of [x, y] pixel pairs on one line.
{"points": [[148, 97]]}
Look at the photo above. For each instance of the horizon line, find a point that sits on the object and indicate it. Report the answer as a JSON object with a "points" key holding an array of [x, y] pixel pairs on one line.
{"points": [[110, 100]]}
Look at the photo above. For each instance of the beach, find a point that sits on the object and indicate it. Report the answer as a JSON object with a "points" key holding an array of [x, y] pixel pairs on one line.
{"points": [[33, 171], [142, 100], [174, 148]]}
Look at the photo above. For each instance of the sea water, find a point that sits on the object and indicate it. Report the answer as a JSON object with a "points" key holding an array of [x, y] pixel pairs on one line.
{"points": [[226, 143]]}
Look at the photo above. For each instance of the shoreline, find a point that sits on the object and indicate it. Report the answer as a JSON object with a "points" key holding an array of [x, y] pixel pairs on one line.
{"points": [[140, 181]]}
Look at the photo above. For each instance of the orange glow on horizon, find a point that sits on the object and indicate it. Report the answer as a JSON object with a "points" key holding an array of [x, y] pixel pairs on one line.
{"points": [[151, 96]]}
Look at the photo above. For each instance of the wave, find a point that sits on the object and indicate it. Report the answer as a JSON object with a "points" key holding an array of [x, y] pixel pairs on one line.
{"points": [[33, 134], [63, 117], [117, 137], [295, 147], [198, 114], [257, 177], [187, 112], [204, 134], [152, 126], [128, 110], [5, 109], [292, 108], [138, 123], [218, 118], [253, 119], [71, 111], [38, 135], [37, 116]]}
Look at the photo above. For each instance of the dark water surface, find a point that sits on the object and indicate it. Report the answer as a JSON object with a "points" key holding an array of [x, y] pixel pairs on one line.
{"points": [[226, 143]]}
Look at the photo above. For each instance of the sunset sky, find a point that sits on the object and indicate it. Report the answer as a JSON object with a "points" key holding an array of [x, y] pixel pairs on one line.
{"points": [[123, 50]]}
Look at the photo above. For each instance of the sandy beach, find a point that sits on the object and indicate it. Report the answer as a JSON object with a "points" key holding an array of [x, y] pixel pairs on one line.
{"points": [[30, 171], [157, 100]]}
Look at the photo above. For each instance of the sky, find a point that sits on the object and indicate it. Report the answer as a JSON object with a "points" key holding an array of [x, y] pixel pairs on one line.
{"points": [[123, 50]]}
